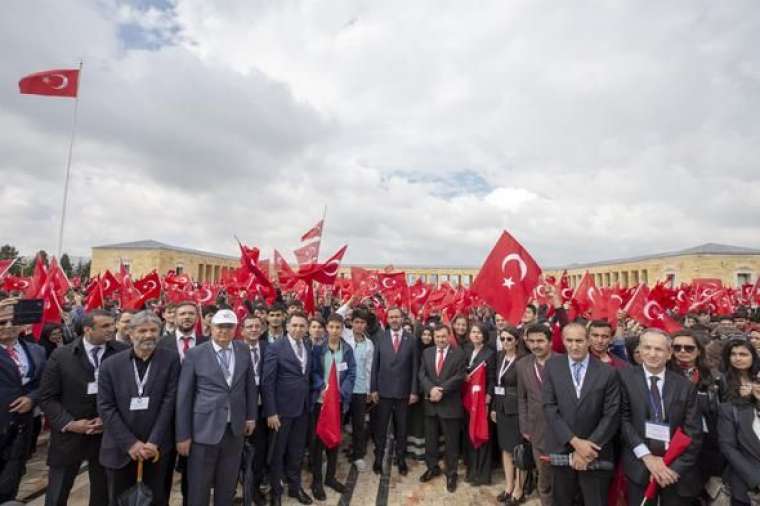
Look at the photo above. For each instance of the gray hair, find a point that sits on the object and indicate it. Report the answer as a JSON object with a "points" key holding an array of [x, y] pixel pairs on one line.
{"points": [[144, 317], [659, 332]]}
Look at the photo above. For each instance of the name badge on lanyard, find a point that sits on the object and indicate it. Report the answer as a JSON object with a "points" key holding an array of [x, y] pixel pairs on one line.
{"points": [[92, 388], [500, 390], [140, 403]]}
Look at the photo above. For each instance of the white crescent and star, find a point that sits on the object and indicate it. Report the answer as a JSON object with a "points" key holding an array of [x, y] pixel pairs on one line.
{"points": [[590, 294], [513, 257], [63, 78], [391, 285], [334, 264], [648, 306]]}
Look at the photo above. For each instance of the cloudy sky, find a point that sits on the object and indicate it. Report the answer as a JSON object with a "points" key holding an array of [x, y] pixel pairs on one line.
{"points": [[589, 131]]}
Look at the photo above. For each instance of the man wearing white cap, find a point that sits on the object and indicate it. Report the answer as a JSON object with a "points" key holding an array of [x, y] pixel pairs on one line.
{"points": [[216, 407]]}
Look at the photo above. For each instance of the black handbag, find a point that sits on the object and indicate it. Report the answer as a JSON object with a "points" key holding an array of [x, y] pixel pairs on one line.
{"points": [[522, 455]]}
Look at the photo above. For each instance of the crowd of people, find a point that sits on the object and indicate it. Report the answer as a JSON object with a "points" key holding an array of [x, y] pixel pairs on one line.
{"points": [[176, 387]]}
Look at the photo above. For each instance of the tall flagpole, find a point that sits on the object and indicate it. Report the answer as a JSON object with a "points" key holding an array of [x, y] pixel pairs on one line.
{"points": [[68, 165]]}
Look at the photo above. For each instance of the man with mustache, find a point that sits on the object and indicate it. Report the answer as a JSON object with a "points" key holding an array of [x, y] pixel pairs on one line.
{"points": [[137, 391]]}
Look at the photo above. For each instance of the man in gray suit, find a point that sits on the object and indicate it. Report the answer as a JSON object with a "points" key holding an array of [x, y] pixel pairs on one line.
{"points": [[216, 407], [530, 403]]}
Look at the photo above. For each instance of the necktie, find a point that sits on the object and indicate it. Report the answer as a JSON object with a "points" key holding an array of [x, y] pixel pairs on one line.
{"points": [[95, 356], [299, 352], [11, 350], [225, 360], [539, 373], [185, 344], [255, 357], [439, 365], [395, 342], [577, 373], [656, 399]]}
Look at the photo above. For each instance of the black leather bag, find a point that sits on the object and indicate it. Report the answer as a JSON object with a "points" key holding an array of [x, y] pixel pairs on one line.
{"points": [[522, 455]]}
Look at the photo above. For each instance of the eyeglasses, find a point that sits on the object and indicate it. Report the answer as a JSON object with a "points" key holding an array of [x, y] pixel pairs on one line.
{"points": [[507, 339], [689, 348]]}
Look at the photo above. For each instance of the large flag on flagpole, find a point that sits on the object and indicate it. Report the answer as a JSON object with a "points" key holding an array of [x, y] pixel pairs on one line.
{"points": [[54, 83]]}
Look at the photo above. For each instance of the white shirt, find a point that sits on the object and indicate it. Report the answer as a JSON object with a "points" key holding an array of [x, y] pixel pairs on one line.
{"points": [[474, 354], [23, 362], [642, 450], [584, 367], [231, 356], [438, 357], [505, 365], [294, 345], [756, 424], [88, 347], [181, 343]]}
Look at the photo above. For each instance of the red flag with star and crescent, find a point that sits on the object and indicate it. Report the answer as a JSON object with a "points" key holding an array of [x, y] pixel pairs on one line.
{"points": [[314, 232], [507, 278], [56, 83]]}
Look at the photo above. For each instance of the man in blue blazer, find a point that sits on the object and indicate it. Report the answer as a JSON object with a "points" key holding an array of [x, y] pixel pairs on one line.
{"points": [[21, 366], [285, 393], [137, 391], [339, 352], [216, 407]]}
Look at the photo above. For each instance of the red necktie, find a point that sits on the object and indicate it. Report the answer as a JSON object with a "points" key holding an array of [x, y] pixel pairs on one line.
{"points": [[439, 365], [395, 342], [14, 356], [186, 345]]}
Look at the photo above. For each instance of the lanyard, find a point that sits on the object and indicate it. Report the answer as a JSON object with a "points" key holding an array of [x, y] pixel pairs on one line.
{"points": [[140, 384], [656, 410], [505, 366]]}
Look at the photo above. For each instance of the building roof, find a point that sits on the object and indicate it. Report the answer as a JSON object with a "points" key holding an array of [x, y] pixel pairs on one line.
{"points": [[709, 248], [150, 244]]}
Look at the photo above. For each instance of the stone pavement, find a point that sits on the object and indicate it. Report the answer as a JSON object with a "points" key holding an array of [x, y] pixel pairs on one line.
{"points": [[397, 490]]}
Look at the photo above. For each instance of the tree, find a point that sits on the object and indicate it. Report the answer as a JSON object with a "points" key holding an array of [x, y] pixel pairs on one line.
{"points": [[9, 252], [66, 264], [84, 269]]}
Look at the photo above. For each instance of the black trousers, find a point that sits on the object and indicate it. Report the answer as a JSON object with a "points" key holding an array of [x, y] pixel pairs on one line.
{"points": [[261, 439], [11, 472], [451, 428], [214, 466], [668, 496], [154, 476], [593, 485], [398, 409], [358, 411], [287, 455], [315, 453], [61, 479]]}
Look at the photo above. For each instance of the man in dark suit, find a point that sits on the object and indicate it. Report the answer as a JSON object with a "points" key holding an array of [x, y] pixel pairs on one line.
{"points": [[530, 403], [656, 402], [181, 340], [253, 332], [581, 404], [393, 386], [285, 389], [68, 397], [216, 408], [21, 366], [137, 391], [442, 373]]}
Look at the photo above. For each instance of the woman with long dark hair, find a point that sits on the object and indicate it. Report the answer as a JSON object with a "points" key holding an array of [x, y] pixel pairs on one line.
{"points": [[688, 359], [478, 460], [460, 326], [739, 422], [504, 413]]}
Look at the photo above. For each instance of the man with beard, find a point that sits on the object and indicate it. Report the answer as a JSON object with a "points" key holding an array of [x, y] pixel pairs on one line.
{"points": [[136, 395], [68, 397], [179, 342]]}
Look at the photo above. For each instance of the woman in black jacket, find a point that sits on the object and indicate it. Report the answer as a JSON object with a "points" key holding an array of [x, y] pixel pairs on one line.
{"points": [[739, 423], [478, 460]]}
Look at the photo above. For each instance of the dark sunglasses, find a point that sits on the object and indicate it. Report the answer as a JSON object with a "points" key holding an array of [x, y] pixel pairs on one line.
{"points": [[684, 347], [508, 339]]}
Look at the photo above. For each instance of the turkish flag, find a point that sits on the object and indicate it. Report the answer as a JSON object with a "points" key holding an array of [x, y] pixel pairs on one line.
{"points": [[314, 232], [109, 283], [12, 283], [285, 275], [58, 278], [248, 259], [327, 272], [307, 255], [328, 424], [474, 402], [585, 293], [364, 280], [95, 299], [564, 287], [150, 286], [507, 278], [37, 280], [130, 297], [651, 314], [58, 83], [51, 309]]}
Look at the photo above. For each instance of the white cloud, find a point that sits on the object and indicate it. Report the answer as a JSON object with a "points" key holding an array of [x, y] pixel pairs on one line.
{"points": [[588, 130]]}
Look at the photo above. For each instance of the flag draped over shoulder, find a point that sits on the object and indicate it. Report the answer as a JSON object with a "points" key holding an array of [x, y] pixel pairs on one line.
{"points": [[474, 402], [328, 425]]}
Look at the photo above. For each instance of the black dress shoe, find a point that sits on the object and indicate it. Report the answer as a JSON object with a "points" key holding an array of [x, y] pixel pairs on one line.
{"points": [[275, 500], [377, 468], [258, 498], [335, 485], [318, 492], [430, 474], [402, 469], [451, 483], [300, 496]]}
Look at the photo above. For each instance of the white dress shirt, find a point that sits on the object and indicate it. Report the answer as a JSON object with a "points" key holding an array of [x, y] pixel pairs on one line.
{"points": [[584, 367], [294, 345], [181, 343], [231, 356], [642, 450], [88, 347]]}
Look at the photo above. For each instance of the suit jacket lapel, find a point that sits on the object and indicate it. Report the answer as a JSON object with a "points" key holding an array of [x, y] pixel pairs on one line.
{"points": [[588, 378], [84, 361], [746, 419], [9, 363], [668, 393], [240, 357]]}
